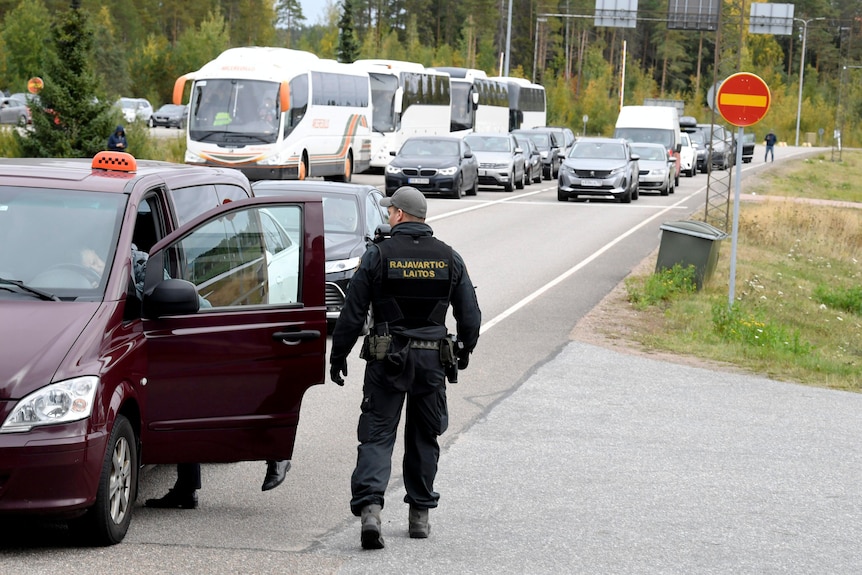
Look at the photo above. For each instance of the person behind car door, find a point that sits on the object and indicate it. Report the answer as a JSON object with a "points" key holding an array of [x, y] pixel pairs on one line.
{"points": [[409, 281]]}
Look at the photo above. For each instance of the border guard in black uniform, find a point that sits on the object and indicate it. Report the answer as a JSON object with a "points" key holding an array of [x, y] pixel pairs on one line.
{"points": [[409, 281]]}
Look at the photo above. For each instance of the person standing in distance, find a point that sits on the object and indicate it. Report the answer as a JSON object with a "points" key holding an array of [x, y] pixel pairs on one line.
{"points": [[770, 140], [117, 140], [409, 281]]}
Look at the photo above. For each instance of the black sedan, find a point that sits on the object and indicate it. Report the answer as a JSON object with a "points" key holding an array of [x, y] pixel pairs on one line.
{"points": [[352, 216], [440, 165], [170, 116]]}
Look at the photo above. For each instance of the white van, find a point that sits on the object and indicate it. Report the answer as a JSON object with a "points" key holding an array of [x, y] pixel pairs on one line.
{"points": [[651, 124]]}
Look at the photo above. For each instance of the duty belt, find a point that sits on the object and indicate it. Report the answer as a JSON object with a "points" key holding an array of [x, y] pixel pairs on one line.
{"points": [[424, 344]]}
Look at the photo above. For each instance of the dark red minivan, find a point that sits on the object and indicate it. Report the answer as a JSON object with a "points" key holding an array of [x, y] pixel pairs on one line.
{"points": [[149, 313]]}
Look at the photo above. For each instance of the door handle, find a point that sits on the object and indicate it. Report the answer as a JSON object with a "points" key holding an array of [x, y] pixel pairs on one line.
{"points": [[295, 337]]}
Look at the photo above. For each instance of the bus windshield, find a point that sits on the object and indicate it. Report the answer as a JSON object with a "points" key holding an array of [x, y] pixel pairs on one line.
{"points": [[234, 111], [383, 88], [462, 106]]}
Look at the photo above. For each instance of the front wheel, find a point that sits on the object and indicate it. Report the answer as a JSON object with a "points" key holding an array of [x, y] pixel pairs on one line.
{"points": [[302, 172], [521, 181], [107, 521], [474, 189]]}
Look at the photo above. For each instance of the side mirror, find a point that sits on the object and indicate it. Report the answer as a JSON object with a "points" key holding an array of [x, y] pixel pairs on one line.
{"points": [[398, 100], [468, 154], [171, 297], [635, 157], [519, 151]]}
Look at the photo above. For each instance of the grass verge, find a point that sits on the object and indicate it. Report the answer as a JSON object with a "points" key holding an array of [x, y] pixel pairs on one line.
{"points": [[797, 311]]}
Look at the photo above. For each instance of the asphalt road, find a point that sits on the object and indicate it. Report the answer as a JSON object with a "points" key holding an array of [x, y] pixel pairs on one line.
{"points": [[560, 458]]}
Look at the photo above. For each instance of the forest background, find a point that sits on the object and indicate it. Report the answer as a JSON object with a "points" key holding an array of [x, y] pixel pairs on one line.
{"points": [[140, 47]]}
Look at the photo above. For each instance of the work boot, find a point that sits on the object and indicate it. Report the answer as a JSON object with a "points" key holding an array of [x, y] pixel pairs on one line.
{"points": [[371, 537], [419, 526]]}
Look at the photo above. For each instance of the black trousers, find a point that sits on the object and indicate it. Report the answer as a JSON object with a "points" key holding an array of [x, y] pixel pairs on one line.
{"points": [[188, 477], [427, 417]]}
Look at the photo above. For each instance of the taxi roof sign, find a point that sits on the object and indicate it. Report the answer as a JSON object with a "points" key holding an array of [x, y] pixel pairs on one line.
{"points": [[743, 99]]}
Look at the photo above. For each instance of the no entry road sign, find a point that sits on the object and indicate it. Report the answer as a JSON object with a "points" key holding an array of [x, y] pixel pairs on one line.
{"points": [[743, 99]]}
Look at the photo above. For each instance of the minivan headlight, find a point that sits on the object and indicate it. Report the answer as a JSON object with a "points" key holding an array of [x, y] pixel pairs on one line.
{"points": [[341, 265], [63, 402]]}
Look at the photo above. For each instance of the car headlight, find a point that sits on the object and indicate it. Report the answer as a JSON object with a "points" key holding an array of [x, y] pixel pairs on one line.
{"points": [[618, 171], [449, 171], [390, 169], [659, 172], [341, 265], [63, 402]]}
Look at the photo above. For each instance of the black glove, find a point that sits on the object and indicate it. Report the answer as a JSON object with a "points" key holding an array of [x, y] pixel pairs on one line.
{"points": [[463, 360], [336, 368]]}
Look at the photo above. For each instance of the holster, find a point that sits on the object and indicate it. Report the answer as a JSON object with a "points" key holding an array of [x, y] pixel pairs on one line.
{"points": [[449, 358]]}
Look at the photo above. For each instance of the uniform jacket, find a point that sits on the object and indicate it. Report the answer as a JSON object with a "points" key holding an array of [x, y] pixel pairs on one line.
{"points": [[367, 282]]}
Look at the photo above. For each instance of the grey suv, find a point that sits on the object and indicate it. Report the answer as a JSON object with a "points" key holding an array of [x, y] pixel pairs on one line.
{"points": [[501, 160]]}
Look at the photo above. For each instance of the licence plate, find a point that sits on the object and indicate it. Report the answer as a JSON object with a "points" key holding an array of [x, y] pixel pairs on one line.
{"points": [[417, 180], [591, 183]]}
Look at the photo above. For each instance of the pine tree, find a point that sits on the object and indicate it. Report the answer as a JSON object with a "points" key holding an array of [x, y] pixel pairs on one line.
{"points": [[68, 119], [348, 45]]}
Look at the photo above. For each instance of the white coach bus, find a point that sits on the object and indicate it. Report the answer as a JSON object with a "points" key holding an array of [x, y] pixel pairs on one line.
{"points": [[275, 113], [479, 103], [407, 100], [527, 103]]}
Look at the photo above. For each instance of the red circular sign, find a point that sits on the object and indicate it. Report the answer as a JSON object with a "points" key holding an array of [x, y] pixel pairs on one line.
{"points": [[743, 99], [35, 85]]}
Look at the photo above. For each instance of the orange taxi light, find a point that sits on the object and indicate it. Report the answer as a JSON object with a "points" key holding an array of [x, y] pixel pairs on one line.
{"points": [[115, 161]]}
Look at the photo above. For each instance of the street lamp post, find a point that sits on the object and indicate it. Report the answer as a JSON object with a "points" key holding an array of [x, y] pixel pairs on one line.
{"points": [[802, 70]]}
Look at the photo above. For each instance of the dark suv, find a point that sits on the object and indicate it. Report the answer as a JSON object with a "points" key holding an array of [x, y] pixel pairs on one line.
{"points": [[111, 358], [550, 145]]}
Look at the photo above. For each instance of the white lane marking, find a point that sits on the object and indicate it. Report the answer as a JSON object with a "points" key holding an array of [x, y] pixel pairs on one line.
{"points": [[559, 279]]}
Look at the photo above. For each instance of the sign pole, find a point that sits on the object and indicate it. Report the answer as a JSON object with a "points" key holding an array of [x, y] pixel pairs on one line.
{"points": [[737, 187], [743, 100]]}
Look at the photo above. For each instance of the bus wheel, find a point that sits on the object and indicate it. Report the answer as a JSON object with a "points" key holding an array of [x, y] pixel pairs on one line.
{"points": [[348, 169], [303, 168]]}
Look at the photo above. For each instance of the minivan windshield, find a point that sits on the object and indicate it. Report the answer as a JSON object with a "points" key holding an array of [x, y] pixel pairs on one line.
{"points": [[647, 136], [58, 241]]}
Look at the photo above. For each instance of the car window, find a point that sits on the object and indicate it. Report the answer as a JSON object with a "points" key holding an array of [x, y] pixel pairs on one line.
{"points": [[244, 257], [340, 214], [192, 201], [64, 240], [416, 148], [374, 215]]}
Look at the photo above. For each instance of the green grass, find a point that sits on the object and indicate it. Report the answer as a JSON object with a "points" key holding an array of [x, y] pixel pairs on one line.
{"points": [[797, 311]]}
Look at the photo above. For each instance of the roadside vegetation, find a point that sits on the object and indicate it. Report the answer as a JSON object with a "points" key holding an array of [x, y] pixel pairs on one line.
{"points": [[797, 311]]}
